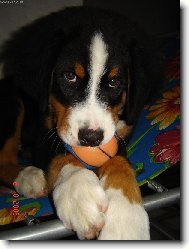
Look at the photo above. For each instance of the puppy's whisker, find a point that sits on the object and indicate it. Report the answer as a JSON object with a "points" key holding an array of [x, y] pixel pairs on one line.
{"points": [[58, 145], [121, 139], [50, 131], [55, 139], [48, 135], [51, 135]]}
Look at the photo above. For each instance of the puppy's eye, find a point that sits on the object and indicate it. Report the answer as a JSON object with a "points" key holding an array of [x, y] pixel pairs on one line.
{"points": [[70, 77], [114, 83]]}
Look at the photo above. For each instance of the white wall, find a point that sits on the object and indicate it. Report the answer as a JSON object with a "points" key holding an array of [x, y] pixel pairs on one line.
{"points": [[16, 13]]}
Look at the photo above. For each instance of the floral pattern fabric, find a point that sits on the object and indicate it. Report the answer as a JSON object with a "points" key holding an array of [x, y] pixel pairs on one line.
{"points": [[14, 207], [155, 144]]}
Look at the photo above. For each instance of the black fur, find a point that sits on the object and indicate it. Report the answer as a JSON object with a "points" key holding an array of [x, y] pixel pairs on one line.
{"points": [[36, 55], [9, 110]]}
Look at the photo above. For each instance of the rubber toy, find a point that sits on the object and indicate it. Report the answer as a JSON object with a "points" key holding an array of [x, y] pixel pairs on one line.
{"points": [[97, 156]]}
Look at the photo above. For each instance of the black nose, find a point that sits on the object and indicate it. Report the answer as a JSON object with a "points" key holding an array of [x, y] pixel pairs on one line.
{"points": [[89, 137]]}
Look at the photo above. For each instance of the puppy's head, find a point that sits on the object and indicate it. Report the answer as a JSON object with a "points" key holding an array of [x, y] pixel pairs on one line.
{"points": [[88, 92], [100, 83]]}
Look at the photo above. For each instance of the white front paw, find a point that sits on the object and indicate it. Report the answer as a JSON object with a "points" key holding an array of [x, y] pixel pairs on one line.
{"points": [[31, 182], [124, 220], [80, 201]]}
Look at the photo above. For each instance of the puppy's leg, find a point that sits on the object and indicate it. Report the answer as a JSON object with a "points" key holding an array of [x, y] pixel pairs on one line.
{"points": [[31, 182], [79, 199], [12, 113], [126, 218]]}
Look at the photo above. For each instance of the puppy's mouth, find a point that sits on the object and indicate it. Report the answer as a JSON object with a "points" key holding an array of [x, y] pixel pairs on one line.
{"points": [[86, 125], [86, 137], [83, 125]]}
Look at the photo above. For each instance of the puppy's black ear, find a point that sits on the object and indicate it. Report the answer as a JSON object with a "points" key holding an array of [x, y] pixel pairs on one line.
{"points": [[144, 79], [29, 57]]}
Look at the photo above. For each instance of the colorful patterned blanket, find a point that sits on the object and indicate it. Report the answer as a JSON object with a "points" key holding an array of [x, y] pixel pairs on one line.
{"points": [[155, 145]]}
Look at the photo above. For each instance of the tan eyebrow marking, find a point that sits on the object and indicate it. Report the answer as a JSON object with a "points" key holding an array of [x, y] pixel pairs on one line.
{"points": [[79, 70], [113, 73]]}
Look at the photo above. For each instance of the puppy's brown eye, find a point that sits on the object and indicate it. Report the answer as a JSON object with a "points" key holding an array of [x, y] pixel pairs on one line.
{"points": [[70, 77], [114, 83]]}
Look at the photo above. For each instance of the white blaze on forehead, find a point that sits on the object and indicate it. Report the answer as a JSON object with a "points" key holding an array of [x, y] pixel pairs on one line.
{"points": [[98, 58], [92, 113]]}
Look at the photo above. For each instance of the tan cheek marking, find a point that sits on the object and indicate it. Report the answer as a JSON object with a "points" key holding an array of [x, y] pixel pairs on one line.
{"points": [[79, 70], [61, 114], [56, 165], [113, 73], [119, 175]]}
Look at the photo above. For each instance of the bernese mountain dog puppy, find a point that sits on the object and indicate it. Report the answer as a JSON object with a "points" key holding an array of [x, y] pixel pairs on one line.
{"points": [[77, 76]]}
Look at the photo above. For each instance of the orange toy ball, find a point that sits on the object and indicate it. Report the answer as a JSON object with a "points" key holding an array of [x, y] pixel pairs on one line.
{"points": [[97, 156]]}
